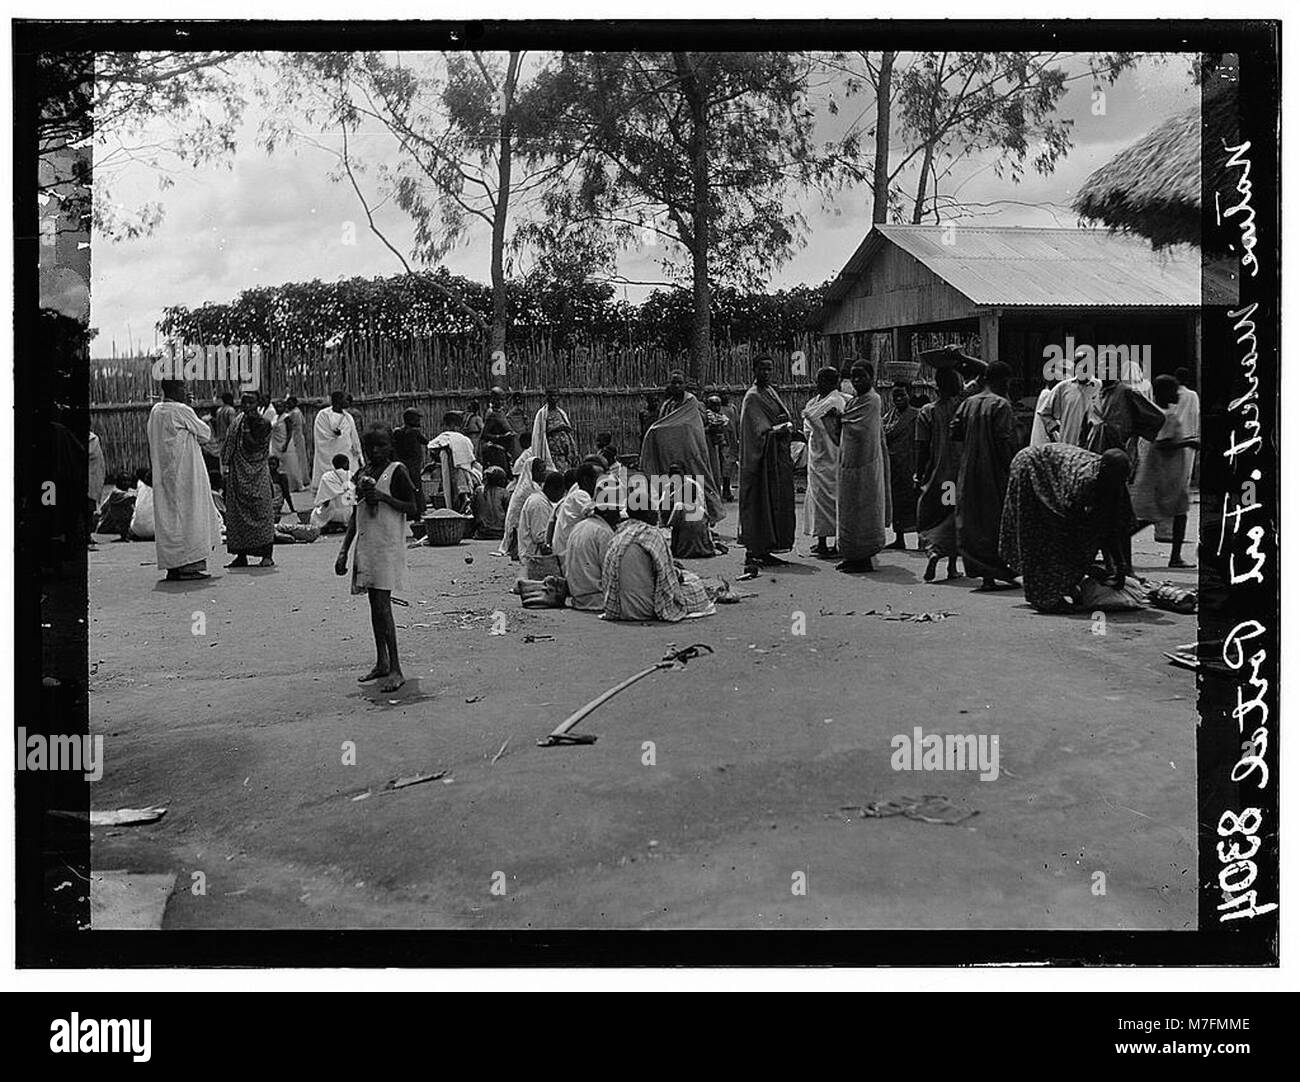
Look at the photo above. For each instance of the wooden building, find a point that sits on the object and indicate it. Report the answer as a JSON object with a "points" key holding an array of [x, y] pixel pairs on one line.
{"points": [[1009, 293]]}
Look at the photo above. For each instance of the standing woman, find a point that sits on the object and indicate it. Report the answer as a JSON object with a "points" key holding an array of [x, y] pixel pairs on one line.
{"points": [[821, 426], [1160, 489], [250, 505], [766, 471], [553, 437], [294, 456], [864, 490], [936, 474], [900, 438]]}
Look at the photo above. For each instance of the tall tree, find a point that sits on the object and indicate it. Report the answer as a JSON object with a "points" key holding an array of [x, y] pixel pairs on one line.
{"points": [[463, 149], [698, 150], [951, 106]]}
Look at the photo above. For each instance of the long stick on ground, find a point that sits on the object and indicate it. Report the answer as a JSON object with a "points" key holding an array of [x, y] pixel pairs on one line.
{"points": [[672, 659]]}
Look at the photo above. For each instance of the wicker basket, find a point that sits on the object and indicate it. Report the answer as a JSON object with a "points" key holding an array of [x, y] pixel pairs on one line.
{"points": [[444, 528], [900, 371]]}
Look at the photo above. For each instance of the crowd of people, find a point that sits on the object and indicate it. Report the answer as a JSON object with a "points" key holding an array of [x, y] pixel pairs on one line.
{"points": [[1105, 457]]}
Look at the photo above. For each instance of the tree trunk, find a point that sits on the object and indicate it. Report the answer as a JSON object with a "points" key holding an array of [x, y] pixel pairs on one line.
{"points": [[701, 329], [880, 179], [500, 216], [918, 211]]}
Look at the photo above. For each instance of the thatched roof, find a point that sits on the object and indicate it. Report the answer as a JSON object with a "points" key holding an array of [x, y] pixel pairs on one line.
{"points": [[1153, 188]]}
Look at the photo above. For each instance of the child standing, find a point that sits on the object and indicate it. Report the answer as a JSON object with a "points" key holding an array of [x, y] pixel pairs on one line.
{"points": [[378, 524]]}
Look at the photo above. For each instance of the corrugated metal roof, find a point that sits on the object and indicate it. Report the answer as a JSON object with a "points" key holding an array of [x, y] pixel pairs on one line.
{"points": [[1010, 266]]}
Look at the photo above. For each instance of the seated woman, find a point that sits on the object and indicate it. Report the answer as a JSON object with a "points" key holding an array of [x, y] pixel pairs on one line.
{"points": [[1064, 504], [691, 536], [640, 580]]}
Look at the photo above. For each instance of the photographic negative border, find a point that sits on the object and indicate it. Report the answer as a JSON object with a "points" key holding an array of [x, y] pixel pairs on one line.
{"points": [[1240, 487]]}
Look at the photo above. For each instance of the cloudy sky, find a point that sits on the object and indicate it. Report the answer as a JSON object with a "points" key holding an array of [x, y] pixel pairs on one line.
{"points": [[259, 220]]}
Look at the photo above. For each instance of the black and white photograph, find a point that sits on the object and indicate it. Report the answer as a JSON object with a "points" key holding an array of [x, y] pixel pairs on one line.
{"points": [[641, 492]]}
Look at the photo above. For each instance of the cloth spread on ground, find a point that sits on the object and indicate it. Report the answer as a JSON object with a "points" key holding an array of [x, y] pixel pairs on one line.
{"points": [[766, 474], [679, 436], [864, 489], [187, 527]]}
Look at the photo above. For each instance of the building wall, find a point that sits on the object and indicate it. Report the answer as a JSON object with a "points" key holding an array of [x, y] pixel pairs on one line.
{"points": [[896, 290]]}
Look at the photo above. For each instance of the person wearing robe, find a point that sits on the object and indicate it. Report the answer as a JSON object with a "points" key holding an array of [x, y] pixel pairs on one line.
{"points": [[293, 457], [490, 503], [499, 444], [900, 439], [187, 526], [985, 427], [766, 471], [249, 496], [1038, 434], [1160, 492], [936, 473], [1065, 413], [864, 491], [649, 415], [268, 409], [731, 448], [466, 473], [409, 444], [472, 426], [639, 579], [578, 502], [690, 534], [535, 518], [679, 438], [822, 417], [225, 413], [554, 440], [715, 431], [334, 433], [336, 496], [584, 557], [1064, 504], [528, 472], [1119, 416]]}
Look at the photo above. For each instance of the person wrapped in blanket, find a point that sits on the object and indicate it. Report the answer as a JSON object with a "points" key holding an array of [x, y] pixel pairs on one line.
{"points": [[116, 510], [1064, 504], [639, 579], [335, 497]]}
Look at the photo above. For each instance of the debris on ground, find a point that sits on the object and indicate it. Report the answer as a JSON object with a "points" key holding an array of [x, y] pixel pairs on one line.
{"points": [[412, 779], [117, 817], [500, 752], [539, 638], [931, 808], [889, 614]]}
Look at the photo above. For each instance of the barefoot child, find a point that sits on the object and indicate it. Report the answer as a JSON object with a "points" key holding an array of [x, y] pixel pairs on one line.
{"points": [[386, 496]]}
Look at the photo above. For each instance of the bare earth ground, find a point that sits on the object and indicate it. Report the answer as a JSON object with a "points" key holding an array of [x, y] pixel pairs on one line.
{"points": [[240, 733]]}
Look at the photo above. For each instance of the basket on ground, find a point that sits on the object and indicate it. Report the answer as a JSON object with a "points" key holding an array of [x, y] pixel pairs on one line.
{"points": [[443, 527]]}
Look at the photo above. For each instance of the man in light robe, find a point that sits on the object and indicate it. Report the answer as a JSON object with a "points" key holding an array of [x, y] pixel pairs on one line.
{"points": [[187, 526], [334, 433], [1066, 410], [766, 471], [455, 452], [336, 496], [821, 426], [864, 501]]}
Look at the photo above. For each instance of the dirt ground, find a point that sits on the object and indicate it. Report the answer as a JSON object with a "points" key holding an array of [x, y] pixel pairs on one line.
{"points": [[242, 733]]}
